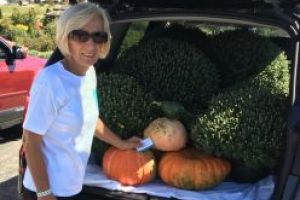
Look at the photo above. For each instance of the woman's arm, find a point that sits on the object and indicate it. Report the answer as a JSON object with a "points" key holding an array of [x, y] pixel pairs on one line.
{"points": [[105, 134], [35, 162]]}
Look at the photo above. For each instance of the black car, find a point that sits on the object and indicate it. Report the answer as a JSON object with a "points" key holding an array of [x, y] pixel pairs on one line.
{"points": [[276, 20]]}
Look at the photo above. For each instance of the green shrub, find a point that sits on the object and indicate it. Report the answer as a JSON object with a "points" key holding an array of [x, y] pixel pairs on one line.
{"points": [[193, 35], [41, 42], [1, 15], [49, 29], [173, 71], [4, 25], [30, 17], [21, 28], [245, 123], [14, 32], [16, 17], [240, 53], [46, 19], [24, 27], [124, 107], [23, 18]]}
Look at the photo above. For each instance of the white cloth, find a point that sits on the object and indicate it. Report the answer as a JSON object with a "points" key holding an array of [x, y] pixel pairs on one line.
{"points": [[261, 190], [63, 107]]}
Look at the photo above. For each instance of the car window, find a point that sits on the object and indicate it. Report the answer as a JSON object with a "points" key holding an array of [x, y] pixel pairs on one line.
{"points": [[148, 29], [134, 34]]}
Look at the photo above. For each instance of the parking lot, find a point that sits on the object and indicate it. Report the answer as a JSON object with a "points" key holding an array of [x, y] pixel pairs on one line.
{"points": [[10, 141]]}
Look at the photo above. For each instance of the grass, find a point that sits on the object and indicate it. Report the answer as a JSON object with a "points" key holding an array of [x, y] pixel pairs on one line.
{"points": [[40, 54]]}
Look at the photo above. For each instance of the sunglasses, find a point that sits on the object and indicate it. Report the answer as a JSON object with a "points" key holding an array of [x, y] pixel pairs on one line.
{"points": [[83, 36]]}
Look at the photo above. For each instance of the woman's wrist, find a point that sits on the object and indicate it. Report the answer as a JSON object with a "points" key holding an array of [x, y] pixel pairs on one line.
{"points": [[43, 193], [120, 144]]}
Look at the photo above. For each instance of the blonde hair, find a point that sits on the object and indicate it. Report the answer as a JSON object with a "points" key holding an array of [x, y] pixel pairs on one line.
{"points": [[74, 18]]}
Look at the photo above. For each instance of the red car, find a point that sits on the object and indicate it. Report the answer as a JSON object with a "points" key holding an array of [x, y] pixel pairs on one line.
{"points": [[17, 70]]}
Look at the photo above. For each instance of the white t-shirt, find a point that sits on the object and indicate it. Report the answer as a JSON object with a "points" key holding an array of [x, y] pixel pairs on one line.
{"points": [[63, 107]]}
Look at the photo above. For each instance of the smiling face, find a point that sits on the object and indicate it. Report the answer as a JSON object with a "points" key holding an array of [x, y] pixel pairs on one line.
{"points": [[84, 54]]}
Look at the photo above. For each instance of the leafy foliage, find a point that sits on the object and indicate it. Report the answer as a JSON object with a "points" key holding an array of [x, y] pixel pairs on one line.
{"points": [[240, 53], [22, 25], [41, 43], [123, 103], [24, 18], [14, 32], [245, 123], [124, 107], [172, 70], [193, 35]]}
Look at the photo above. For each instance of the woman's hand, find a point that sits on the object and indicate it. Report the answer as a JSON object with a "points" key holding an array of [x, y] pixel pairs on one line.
{"points": [[130, 143]]}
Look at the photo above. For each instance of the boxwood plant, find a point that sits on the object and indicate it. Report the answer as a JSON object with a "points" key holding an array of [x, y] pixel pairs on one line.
{"points": [[240, 53], [173, 71], [245, 123], [124, 107]]}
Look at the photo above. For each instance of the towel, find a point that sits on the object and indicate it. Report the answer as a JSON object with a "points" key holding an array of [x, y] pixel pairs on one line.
{"points": [[227, 190]]}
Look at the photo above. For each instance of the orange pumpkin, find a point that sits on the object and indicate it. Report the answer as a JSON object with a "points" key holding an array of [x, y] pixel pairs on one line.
{"points": [[166, 134], [191, 169], [129, 167]]}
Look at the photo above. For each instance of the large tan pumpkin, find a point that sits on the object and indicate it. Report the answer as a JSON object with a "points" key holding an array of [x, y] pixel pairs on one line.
{"points": [[129, 167], [166, 134], [191, 169]]}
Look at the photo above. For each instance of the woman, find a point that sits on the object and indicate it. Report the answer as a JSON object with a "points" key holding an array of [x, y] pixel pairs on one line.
{"points": [[62, 115]]}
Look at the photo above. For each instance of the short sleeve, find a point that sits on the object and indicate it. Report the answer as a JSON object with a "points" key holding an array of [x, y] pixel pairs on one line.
{"points": [[42, 108]]}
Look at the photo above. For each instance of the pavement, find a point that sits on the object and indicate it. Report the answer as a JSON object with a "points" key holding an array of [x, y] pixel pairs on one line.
{"points": [[10, 142]]}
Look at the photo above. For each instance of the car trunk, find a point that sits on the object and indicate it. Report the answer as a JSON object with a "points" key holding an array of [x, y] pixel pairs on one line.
{"points": [[282, 15]]}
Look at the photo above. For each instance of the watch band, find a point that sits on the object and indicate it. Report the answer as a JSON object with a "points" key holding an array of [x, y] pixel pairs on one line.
{"points": [[43, 193]]}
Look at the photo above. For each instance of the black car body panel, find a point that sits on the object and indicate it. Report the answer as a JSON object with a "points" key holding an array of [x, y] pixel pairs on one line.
{"points": [[197, 4]]}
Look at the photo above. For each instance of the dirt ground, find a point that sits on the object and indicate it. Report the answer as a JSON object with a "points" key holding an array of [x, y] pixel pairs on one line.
{"points": [[10, 141]]}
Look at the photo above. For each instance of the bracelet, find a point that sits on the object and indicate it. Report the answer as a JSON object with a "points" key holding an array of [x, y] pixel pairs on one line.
{"points": [[43, 193]]}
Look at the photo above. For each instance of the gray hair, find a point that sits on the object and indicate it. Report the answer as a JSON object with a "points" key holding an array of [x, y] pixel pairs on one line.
{"points": [[75, 17]]}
